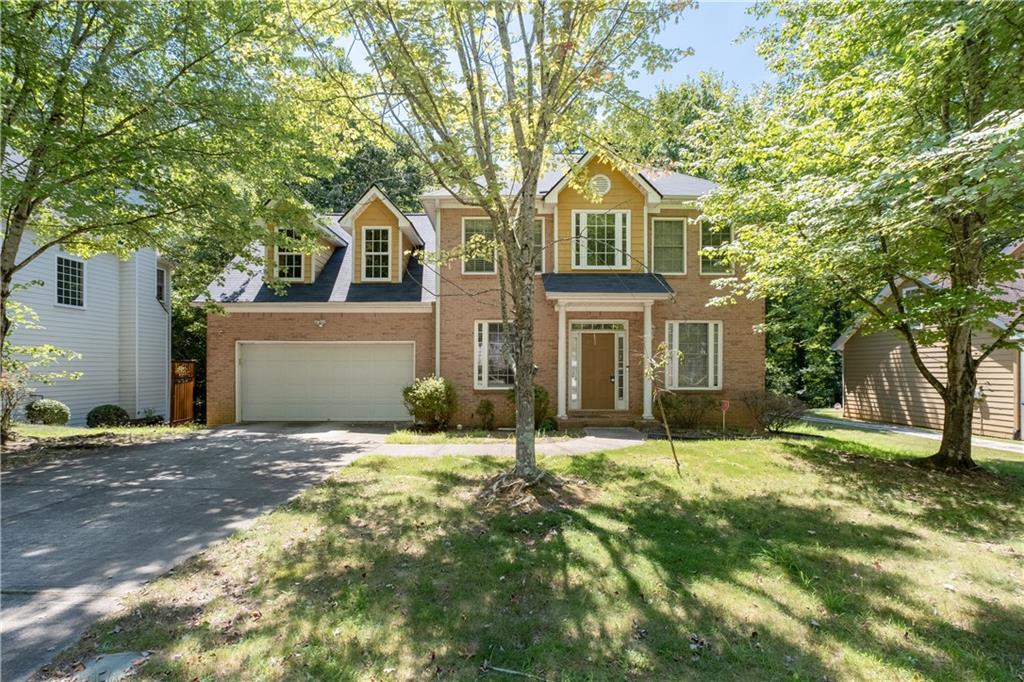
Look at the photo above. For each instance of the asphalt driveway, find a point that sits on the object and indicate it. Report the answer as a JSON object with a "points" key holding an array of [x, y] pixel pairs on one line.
{"points": [[79, 534]]}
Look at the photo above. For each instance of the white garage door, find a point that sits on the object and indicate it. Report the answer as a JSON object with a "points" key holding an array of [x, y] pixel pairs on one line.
{"points": [[324, 381]]}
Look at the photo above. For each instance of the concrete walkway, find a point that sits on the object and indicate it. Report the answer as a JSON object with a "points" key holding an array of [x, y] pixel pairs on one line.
{"points": [[596, 439], [977, 441]]}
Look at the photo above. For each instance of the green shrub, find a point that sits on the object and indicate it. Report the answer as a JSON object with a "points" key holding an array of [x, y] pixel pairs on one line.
{"points": [[773, 411], [107, 415], [686, 411], [485, 412], [541, 403], [431, 402], [46, 411]]}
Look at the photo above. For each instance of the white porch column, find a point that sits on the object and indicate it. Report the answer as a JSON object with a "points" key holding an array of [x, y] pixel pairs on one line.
{"points": [[562, 412], [648, 342]]}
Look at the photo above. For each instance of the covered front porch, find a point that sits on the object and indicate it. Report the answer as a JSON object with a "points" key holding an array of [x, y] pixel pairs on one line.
{"points": [[605, 332]]}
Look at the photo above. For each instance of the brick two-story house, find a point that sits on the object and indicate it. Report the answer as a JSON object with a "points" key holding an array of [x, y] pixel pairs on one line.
{"points": [[622, 272]]}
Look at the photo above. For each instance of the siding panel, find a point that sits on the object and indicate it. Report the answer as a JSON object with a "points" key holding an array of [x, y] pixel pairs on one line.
{"points": [[881, 383]]}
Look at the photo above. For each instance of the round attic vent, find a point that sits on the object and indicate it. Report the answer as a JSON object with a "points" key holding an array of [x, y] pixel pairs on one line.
{"points": [[600, 184]]}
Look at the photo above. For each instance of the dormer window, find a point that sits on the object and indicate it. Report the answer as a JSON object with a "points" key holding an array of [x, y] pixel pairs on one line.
{"points": [[376, 254], [289, 263]]}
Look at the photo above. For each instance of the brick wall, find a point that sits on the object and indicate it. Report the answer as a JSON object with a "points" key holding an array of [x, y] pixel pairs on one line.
{"points": [[468, 298], [224, 330]]}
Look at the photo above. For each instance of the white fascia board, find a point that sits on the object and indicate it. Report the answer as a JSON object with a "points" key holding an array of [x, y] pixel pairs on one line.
{"points": [[641, 183]]}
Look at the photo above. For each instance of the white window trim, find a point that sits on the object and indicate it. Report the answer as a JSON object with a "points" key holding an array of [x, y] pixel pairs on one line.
{"points": [[164, 279], [494, 261], [363, 253], [76, 259], [624, 252], [277, 262], [700, 236], [543, 241], [481, 384], [686, 228], [672, 368]]}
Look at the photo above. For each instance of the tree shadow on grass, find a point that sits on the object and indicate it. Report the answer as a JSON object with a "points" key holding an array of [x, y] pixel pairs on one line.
{"points": [[645, 582], [976, 504]]}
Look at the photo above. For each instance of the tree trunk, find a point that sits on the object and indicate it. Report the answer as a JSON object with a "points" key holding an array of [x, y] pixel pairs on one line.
{"points": [[957, 426], [526, 456]]}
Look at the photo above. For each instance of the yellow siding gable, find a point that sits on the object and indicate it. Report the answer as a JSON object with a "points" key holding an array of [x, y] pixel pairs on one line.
{"points": [[376, 214], [623, 195]]}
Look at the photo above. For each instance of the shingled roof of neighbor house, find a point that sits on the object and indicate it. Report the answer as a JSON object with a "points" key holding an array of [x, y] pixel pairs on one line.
{"points": [[243, 282]]}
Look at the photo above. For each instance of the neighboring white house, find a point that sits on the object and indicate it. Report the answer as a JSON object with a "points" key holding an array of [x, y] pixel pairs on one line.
{"points": [[116, 314]]}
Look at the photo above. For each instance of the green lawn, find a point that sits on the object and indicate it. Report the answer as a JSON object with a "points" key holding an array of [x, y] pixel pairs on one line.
{"points": [[409, 437], [797, 558]]}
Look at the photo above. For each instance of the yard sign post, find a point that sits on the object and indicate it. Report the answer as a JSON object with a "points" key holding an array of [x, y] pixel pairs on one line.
{"points": [[725, 408]]}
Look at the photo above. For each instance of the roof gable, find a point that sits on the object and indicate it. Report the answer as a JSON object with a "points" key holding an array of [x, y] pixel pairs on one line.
{"points": [[650, 192], [375, 193]]}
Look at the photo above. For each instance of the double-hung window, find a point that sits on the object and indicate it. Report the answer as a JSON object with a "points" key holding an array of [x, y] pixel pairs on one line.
{"points": [[376, 254], [480, 254], [696, 355], [669, 245], [289, 262], [493, 367], [479, 247], [70, 282], [600, 239], [161, 285], [538, 243], [712, 237]]}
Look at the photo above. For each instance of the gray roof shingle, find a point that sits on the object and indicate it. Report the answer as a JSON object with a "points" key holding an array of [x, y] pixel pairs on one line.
{"points": [[610, 283], [243, 280]]}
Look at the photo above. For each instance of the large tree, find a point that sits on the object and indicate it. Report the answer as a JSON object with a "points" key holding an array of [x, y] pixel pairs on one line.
{"points": [[170, 124], [889, 161], [484, 94]]}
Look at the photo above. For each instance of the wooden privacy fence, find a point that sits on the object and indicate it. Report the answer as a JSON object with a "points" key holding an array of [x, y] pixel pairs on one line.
{"points": [[183, 383]]}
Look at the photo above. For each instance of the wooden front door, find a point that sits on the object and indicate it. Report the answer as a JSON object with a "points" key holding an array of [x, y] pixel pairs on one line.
{"points": [[597, 371]]}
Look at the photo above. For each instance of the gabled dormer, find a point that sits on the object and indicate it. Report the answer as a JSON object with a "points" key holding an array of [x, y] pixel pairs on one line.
{"points": [[382, 236], [287, 264]]}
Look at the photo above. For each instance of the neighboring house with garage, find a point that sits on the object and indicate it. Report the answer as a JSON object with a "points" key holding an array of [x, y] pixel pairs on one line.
{"points": [[115, 314], [882, 384], [621, 274]]}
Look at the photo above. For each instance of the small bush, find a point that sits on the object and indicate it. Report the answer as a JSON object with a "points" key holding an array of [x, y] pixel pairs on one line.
{"points": [[773, 411], [485, 412], [431, 402], [687, 411], [46, 411], [107, 415], [541, 403]]}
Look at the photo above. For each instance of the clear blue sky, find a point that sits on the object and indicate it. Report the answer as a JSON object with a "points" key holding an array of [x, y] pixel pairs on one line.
{"points": [[713, 30]]}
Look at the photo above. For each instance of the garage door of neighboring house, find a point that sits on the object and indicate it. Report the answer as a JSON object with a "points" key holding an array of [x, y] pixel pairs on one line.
{"points": [[323, 381]]}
